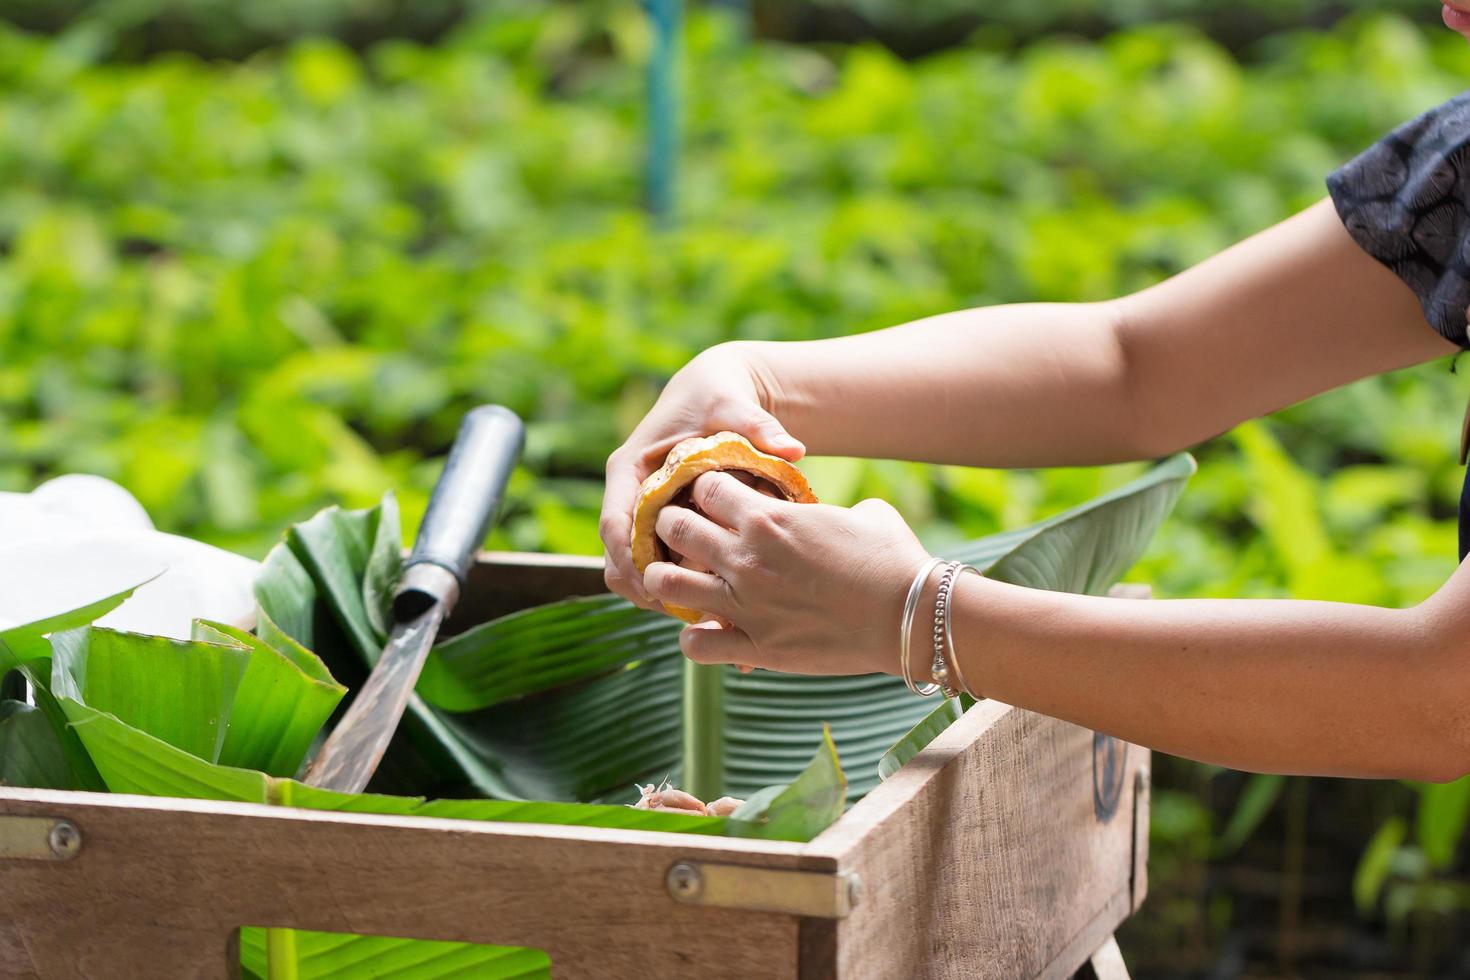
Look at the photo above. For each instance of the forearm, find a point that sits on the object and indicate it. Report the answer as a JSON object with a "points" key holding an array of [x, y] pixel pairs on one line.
{"points": [[1023, 385], [1270, 686], [1291, 312]]}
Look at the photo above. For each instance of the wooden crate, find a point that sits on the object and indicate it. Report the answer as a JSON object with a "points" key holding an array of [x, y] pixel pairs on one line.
{"points": [[1012, 846]]}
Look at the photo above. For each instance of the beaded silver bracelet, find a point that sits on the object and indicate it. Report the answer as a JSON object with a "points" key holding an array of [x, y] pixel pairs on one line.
{"points": [[939, 669], [906, 627], [953, 657]]}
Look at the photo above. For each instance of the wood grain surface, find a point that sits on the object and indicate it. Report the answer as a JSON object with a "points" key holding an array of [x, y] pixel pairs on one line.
{"points": [[160, 887], [984, 856]]}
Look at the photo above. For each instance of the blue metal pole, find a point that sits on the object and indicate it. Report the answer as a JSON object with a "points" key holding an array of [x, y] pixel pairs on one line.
{"points": [[663, 107]]}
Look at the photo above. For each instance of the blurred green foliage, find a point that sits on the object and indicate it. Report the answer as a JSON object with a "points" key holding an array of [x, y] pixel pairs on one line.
{"points": [[247, 289]]}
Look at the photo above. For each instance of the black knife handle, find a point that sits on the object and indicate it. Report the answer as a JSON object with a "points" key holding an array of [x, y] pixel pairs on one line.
{"points": [[461, 508]]}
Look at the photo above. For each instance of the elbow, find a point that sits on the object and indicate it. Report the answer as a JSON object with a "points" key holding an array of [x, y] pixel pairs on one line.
{"points": [[1439, 712], [1429, 763], [1145, 429], [1446, 762], [1432, 766]]}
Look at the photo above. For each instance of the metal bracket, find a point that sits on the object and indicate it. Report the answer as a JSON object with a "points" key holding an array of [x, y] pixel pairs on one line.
{"points": [[812, 894], [1138, 881], [38, 839]]}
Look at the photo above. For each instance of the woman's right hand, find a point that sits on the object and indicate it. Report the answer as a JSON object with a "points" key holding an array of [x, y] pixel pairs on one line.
{"points": [[723, 389]]}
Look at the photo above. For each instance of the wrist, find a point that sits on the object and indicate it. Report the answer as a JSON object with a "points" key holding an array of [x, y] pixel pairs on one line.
{"points": [[953, 628], [919, 624], [766, 364]]}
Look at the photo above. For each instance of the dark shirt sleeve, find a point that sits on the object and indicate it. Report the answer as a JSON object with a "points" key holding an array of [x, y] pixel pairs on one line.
{"points": [[1406, 202]]}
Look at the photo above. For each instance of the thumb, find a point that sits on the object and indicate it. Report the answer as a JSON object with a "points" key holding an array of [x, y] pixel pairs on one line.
{"points": [[770, 436]]}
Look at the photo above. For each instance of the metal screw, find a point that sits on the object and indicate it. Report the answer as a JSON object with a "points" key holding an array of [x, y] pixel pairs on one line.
{"points": [[685, 882], [65, 839], [854, 890]]}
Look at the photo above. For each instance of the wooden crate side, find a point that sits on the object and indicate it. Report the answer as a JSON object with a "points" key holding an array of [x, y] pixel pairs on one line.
{"points": [[986, 856], [160, 886], [501, 582]]}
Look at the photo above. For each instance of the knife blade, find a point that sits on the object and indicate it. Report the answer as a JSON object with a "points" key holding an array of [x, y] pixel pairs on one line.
{"points": [[460, 511]]}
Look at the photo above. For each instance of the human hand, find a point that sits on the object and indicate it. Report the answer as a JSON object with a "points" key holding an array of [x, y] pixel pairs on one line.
{"points": [[798, 588], [719, 390]]}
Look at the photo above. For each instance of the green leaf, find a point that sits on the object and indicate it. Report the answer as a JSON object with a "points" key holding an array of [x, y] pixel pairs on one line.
{"points": [[1444, 809], [330, 955], [809, 805], [290, 792], [384, 560], [926, 731], [1376, 863], [286, 593], [27, 642], [179, 691], [31, 752], [133, 761], [335, 547], [1088, 548], [541, 649], [27, 649], [279, 707], [1256, 800]]}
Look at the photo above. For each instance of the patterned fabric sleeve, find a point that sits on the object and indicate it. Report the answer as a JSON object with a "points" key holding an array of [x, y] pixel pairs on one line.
{"points": [[1406, 202]]}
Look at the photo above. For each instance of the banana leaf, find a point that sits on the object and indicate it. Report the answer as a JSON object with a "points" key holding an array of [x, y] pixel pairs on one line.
{"points": [[26, 650], [1084, 550], [581, 699], [31, 753], [330, 956]]}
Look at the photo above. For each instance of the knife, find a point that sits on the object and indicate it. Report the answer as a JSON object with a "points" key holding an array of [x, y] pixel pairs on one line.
{"points": [[460, 511]]}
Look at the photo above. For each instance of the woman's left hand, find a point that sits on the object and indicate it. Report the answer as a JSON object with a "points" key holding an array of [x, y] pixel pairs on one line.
{"points": [[798, 588]]}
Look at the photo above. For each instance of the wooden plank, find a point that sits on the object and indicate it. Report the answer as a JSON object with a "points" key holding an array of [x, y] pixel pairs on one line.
{"points": [[1105, 964], [160, 887], [987, 855], [501, 582]]}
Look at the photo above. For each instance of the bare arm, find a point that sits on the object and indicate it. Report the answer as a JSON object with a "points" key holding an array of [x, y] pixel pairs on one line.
{"points": [[1277, 686], [1265, 685], [1291, 312], [1268, 685]]}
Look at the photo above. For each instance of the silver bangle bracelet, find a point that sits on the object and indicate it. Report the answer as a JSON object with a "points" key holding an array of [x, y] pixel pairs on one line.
{"points": [[952, 654], [906, 627], [939, 667]]}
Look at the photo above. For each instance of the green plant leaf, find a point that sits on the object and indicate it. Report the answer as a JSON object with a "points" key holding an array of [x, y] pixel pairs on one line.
{"points": [[336, 548], [926, 731], [26, 649], [179, 691], [290, 792], [133, 761], [278, 709], [541, 649], [31, 753], [1444, 809], [1260, 794], [1376, 863], [330, 955], [810, 804], [286, 593], [27, 642], [384, 559]]}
